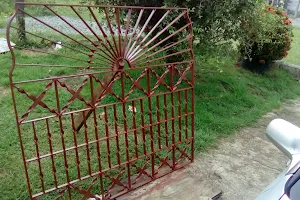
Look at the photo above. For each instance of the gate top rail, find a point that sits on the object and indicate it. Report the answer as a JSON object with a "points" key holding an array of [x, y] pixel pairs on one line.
{"points": [[102, 6]]}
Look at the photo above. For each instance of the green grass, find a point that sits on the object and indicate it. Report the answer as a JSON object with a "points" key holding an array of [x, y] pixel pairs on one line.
{"points": [[226, 99], [235, 98], [294, 53], [42, 11], [3, 23], [61, 10]]}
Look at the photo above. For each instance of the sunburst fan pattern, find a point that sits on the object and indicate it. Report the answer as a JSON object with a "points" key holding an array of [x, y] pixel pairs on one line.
{"points": [[107, 104]]}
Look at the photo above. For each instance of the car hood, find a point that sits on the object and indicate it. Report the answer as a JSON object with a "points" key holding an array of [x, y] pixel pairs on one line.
{"points": [[276, 189]]}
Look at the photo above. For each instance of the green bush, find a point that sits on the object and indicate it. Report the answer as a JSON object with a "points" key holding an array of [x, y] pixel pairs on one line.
{"points": [[3, 23], [213, 20], [6, 8], [268, 38]]}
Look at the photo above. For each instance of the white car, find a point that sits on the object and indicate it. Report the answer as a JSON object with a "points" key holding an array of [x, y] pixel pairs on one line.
{"points": [[286, 137]]}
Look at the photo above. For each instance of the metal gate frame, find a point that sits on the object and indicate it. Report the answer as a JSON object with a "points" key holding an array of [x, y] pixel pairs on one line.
{"points": [[162, 134]]}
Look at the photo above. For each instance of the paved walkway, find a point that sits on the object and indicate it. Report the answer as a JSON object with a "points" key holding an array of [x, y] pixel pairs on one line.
{"points": [[241, 166], [296, 22]]}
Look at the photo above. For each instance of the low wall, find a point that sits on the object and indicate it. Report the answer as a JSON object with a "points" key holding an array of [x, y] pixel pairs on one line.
{"points": [[293, 69]]}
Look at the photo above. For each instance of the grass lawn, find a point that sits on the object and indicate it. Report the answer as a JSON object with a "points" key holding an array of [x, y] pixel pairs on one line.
{"points": [[294, 53], [42, 11], [226, 99]]}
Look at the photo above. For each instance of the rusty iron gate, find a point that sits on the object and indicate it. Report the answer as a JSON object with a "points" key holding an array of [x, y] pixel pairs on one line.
{"points": [[103, 97]]}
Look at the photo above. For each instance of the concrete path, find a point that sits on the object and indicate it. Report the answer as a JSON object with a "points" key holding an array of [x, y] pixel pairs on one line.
{"points": [[241, 166], [296, 22]]}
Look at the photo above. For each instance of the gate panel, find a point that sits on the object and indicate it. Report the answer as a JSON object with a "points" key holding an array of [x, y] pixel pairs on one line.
{"points": [[108, 104]]}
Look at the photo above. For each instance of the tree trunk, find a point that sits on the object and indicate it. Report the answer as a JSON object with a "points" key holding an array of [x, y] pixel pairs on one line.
{"points": [[21, 23], [297, 9], [285, 4], [272, 2]]}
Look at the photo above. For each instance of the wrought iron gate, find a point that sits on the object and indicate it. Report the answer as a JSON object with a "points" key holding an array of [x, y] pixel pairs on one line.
{"points": [[106, 104]]}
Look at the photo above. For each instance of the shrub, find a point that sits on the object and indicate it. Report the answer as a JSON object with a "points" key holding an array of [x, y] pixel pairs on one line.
{"points": [[6, 8], [268, 37], [213, 20]]}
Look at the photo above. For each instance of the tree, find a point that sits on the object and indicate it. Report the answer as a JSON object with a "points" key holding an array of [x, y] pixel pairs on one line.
{"points": [[213, 20], [297, 9], [21, 23]]}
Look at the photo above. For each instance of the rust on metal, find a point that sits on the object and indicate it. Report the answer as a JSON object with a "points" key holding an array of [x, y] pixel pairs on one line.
{"points": [[109, 103]]}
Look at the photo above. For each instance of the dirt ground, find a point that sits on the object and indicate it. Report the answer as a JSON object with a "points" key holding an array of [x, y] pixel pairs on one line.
{"points": [[241, 166]]}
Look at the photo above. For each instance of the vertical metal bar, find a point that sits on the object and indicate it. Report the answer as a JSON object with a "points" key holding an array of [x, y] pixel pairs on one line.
{"points": [[150, 121], [158, 120], [87, 143], [134, 127], [13, 57], [96, 134], [130, 52], [125, 129], [193, 82], [186, 112], [51, 153], [143, 126], [107, 137], [193, 121], [134, 32], [166, 118], [126, 32], [62, 136], [35, 138], [173, 115], [119, 29], [179, 114], [117, 133], [146, 23], [76, 147]]}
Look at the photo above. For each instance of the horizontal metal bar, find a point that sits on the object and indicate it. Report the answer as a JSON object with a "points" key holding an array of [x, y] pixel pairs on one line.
{"points": [[99, 6], [104, 171], [98, 72], [113, 167], [69, 66], [105, 105], [55, 54], [108, 138]]}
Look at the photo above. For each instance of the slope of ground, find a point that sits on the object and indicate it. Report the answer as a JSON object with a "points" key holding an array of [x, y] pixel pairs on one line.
{"points": [[227, 98]]}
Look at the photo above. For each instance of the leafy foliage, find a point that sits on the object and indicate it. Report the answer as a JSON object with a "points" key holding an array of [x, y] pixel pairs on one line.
{"points": [[6, 8], [213, 20], [268, 37]]}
